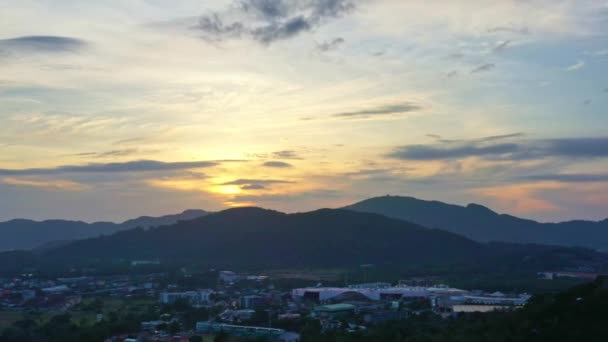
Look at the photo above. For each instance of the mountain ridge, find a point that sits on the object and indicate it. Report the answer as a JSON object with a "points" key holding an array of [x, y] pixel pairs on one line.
{"points": [[30, 234], [482, 224]]}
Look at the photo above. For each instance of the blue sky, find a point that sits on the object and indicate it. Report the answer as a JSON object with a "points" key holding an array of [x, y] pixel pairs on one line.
{"points": [[115, 109]]}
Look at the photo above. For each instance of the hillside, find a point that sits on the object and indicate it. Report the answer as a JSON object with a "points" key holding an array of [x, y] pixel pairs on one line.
{"points": [[28, 234], [482, 224], [254, 237]]}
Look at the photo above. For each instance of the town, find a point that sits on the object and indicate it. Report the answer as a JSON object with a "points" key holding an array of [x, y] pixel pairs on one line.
{"points": [[233, 304]]}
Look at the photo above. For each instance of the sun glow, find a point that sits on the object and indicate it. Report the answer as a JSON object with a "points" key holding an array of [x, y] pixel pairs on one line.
{"points": [[228, 189]]}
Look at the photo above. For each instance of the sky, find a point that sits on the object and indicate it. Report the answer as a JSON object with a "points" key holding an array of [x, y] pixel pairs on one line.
{"points": [[114, 109]]}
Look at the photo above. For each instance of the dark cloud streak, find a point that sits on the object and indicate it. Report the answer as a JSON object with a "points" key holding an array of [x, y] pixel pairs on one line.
{"points": [[41, 44], [570, 177], [277, 164], [496, 148], [131, 166], [391, 109], [483, 68]]}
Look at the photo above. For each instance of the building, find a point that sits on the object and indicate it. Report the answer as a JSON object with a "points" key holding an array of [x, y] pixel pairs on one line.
{"points": [[334, 310], [323, 294], [28, 295], [370, 286], [229, 277], [151, 325], [193, 297], [239, 330], [251, 302], [56, 289]]}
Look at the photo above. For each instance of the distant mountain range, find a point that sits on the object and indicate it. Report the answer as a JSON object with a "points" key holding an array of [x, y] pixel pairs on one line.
{"points": [[482, 224], [254, 237], [28, 234], [473, 221]]}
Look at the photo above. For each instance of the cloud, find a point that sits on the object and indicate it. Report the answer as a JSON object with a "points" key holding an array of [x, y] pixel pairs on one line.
{"points": [[268, 21], [391, 109], [245, 181], [483, 68], [501, 136], [451, 74], [45, 184], [131, 166], [277, 164], [108, 154], [286, 154], [330, 45], [599, 53], [425, 152], [501, 46], [41, 44], [253, 187], [570, 177], [494, 147], [509, 29], [256, 184], [576, 66]]}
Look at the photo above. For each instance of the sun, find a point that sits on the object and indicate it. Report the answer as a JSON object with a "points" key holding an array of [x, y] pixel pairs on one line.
{"points": [[228, 189]]}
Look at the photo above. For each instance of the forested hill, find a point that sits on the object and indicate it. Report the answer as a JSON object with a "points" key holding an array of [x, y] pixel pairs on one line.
{"points": [[254, 237]]}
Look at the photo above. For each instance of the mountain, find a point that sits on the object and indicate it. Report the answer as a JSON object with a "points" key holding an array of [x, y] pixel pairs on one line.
{"points": [[149, 221], [482, 224], [28, 234], [254, 237]]}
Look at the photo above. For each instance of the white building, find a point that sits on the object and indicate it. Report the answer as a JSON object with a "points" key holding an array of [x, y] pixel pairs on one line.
{"points": [[323, 294], [193, 297], [229, 277]]}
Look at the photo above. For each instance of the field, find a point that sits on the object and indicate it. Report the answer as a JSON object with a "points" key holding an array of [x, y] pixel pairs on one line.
{"points": [[83, 313]]}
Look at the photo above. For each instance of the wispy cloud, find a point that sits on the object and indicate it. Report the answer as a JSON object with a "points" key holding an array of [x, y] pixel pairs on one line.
{"points": [[286, 154], [131, 166], [330, 45], [509, 29], [497, 148], [570, 177], [390, 109], [483, 68], [109, 154], [256, 184], [277, 164], [245, 181], [501, 46], [41, 44], [267, 21], [599, 53], [575, 66], [45, 184]]}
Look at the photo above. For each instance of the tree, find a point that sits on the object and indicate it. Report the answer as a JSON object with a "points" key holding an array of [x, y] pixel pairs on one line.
{"points": [[174, 327]]}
